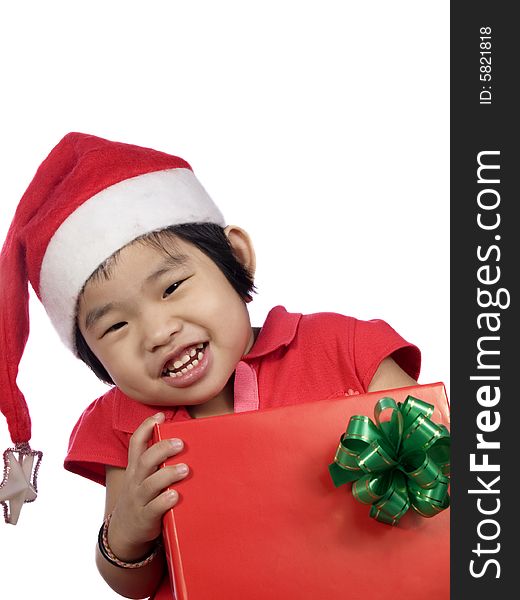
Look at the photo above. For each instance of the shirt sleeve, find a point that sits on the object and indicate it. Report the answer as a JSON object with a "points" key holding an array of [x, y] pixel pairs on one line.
{"points": [[374, 341], [94, 443]]}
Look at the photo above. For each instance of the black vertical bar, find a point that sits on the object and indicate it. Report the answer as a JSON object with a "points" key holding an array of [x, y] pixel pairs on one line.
{"points": [[485, 269]]}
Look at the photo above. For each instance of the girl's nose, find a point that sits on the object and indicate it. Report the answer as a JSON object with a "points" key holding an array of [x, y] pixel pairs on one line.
{"points": [[159, 330]]}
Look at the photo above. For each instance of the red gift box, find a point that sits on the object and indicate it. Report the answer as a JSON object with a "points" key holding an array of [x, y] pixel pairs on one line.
{"points": [[259, 517]]}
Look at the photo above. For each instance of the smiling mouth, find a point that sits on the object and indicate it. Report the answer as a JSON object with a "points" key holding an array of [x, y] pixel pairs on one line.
{"points": [[189, 359]]}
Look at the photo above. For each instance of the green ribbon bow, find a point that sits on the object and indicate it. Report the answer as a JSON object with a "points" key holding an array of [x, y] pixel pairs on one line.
{"points": [[398, 463]]}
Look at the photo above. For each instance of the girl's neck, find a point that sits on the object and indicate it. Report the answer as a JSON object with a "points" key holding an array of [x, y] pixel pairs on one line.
{"points": [[222, 404]]}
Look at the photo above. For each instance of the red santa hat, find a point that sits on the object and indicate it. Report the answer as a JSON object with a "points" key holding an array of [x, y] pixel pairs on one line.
{"points": [[89, 198]]}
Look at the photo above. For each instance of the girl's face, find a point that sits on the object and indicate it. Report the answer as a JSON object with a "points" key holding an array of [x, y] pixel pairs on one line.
{"points": [[169, 330]]}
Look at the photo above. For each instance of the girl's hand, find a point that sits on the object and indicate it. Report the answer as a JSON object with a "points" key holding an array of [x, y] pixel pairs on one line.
{"points": [[143, 500]]}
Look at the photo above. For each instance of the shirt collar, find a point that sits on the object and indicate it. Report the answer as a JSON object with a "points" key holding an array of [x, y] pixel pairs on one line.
{"points": [[128, 414], [278, 330]]}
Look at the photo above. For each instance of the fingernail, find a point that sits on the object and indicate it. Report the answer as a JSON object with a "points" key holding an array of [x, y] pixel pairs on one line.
{"points": [[176, 443], [182, 469], [172, 495], [158, 417]]}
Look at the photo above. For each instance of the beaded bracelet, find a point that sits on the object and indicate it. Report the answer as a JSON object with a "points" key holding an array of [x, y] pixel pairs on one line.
{"points": [[107, 553]]}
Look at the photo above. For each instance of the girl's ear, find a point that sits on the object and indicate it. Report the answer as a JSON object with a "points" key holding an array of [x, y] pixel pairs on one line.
{"points": [[242, 247]]}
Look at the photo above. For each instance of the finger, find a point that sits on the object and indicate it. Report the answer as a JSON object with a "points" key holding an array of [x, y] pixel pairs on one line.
{"points": [[156, 484], [161, 451], [141, 436], [158, 506], [154, 456]]}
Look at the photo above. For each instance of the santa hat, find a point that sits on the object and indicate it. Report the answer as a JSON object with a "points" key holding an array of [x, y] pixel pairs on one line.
{"points": [[89, 198]]}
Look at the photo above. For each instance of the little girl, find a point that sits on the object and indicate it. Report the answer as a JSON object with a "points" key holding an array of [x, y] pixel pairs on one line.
{"points": [[146, 284]]}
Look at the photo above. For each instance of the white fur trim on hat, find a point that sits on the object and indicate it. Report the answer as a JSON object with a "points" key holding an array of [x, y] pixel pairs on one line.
{"points": [[108, 221]]}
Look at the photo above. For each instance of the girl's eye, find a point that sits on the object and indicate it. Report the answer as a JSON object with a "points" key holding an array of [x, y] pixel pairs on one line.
{"points": [[169, 290], [115, 327]]}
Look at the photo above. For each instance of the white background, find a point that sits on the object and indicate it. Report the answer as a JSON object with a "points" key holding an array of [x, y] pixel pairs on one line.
{"points": [[321, 128]]}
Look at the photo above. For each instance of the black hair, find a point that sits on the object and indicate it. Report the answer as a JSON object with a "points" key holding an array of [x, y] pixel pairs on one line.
{"points": [[208, 238]]}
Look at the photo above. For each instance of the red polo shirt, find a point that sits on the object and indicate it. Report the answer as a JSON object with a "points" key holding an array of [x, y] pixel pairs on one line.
{"points": [[296, 358]]}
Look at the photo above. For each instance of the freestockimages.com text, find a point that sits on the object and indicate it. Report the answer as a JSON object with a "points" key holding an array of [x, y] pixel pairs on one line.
{"points": [[492, 299]]}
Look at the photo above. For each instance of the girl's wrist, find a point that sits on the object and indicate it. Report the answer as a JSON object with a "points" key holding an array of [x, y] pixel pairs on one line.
{"points": [[122, 549]]}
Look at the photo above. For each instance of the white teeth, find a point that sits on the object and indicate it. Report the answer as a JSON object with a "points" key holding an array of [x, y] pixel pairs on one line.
{"points": [[181, 365]]}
